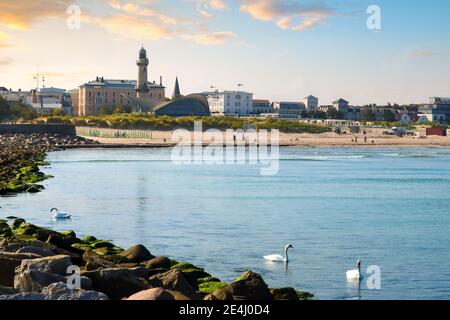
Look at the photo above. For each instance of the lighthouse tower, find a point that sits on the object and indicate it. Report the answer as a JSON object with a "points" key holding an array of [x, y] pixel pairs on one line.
{"points": [[142, 82]]}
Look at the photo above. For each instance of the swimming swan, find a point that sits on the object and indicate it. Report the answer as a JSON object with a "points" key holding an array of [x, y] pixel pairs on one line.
{"points": [[279, 258], [355, 275], [59, 215]]}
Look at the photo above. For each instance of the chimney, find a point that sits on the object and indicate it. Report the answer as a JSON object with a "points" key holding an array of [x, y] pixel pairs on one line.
{"points": [[160, 80]]}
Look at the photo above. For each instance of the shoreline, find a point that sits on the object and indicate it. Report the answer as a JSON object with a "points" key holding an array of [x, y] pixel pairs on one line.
{"points": [[162, 139]]}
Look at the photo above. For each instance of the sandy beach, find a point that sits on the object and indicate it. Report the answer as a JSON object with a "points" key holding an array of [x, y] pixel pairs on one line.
{"points": [[163, 139]]}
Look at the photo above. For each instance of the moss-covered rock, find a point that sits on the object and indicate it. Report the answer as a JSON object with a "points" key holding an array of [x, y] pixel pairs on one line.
{"points": [[284, 294], [69, 233], [102, 244], [82, 246], [302, 295], [210, 287], [35, 188], [26, 228], [89, 239]]}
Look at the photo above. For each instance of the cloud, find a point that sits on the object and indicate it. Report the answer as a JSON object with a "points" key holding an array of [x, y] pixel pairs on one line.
{"points": [[138, 19], [21, 14], [132, 26], [4, 40], [5, 61], [419, 54], [204, 7], [149, 12], [287, 14], [215, 38]]}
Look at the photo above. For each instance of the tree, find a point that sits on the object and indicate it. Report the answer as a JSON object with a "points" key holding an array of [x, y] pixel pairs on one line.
{"points": [[5, 110], [368, 115], [317, 114], [304, 114], [388, 116], [335, 114]]}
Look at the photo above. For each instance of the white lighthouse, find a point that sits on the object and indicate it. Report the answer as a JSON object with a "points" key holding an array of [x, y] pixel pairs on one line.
{"points": [[142, 88]]}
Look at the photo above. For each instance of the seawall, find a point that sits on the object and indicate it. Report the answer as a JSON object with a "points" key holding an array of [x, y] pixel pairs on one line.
{"points": [[61, 129]]}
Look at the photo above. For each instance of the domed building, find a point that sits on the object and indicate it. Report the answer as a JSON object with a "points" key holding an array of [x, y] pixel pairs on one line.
{"points": [[182, 106]]}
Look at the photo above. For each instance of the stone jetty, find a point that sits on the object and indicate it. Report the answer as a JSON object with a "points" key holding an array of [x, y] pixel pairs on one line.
{"points": [[40, 264], [22, 155]]}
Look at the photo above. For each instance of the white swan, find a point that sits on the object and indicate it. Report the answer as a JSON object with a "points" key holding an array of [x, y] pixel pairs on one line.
{"points": [[279, 258], [59, 215], [355, 275]]}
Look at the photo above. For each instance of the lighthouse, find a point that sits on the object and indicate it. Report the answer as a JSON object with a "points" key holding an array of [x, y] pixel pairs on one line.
{"points": [[142, 88]]}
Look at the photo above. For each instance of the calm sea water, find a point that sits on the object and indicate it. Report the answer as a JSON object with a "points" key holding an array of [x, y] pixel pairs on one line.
{"points": [[387, 207]]}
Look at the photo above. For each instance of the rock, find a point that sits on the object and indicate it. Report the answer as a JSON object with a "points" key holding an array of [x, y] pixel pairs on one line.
{"points": [[35, 280], [3, 242], [192, 273], [14, 246], [152, 294], [56, 264], [157, 263], [117, 283], [7, 291], [23, 297], [89, 239], [94, 261], [60, 291], [17, 222], [172, 280], [284, 294], [249, 286], [136, 254], [8, 263], [35, 250], [64, 242], [153, 272], [19, 256]]}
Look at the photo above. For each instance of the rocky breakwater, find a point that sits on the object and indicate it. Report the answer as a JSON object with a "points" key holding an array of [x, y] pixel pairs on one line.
{"points": [[38, 264], [20, 158]]}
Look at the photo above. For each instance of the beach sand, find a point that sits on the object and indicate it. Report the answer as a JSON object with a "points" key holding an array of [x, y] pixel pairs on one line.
{"points": [[163, 138]]}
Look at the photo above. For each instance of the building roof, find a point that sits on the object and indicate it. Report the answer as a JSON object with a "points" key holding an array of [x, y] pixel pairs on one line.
{"points": [[176, 90], [227, 92], [261, 101], [309, 97], [341, 101], [118, 83], [3, 89]]}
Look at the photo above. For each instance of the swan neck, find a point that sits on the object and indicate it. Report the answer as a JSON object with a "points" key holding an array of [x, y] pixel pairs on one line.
{"points": [[286, 254]]}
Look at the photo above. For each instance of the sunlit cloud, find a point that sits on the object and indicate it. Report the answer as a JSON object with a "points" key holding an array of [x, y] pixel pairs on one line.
{"points": [[287, 14], [419, 54], [215, 38], [130, 26], [21, 14], [5, 61], [4, 40], [138, 10]]}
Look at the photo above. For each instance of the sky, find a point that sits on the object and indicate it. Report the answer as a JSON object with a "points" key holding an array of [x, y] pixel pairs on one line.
{"points": [[280, 50]]}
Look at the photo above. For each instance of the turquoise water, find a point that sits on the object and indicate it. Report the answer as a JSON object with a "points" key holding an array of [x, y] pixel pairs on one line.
{"points": [[387, 207]]}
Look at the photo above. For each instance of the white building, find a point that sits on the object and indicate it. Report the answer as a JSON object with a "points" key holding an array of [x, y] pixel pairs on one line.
{"points": [[46, 100], [230, 103], [311, 103]]}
